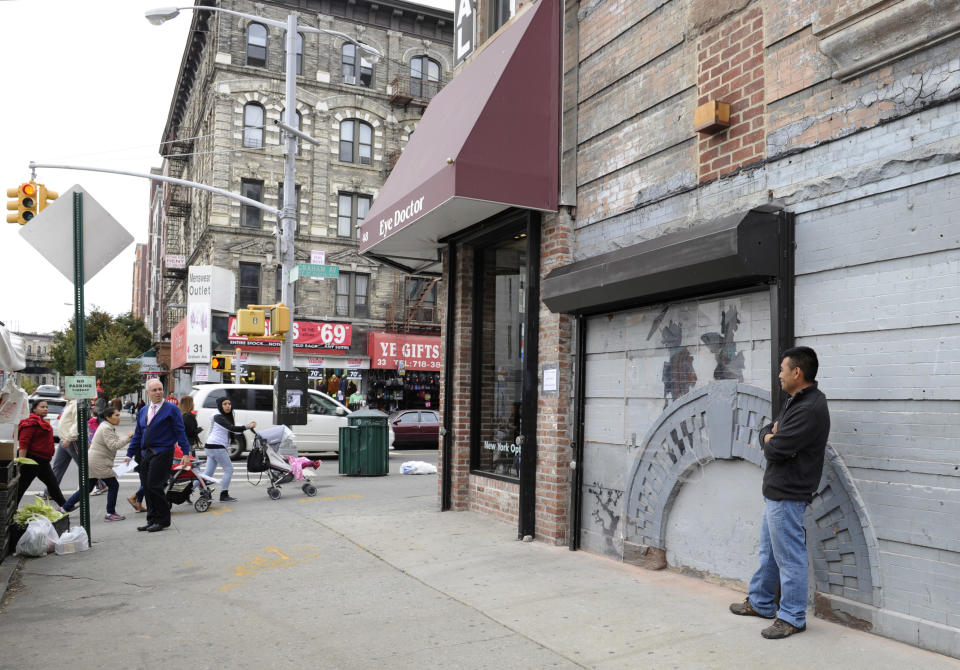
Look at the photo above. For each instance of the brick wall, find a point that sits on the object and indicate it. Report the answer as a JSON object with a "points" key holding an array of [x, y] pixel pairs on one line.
{"points": [[730, 69]]}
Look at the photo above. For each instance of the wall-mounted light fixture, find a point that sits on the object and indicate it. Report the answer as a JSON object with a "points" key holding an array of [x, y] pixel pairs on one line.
{"points": [[711, 117]]}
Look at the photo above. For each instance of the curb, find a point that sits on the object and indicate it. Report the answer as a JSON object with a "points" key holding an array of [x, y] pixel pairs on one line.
{"points": [[10, 565]]}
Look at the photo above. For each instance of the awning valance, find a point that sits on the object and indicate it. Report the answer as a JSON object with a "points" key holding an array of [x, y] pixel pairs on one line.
{"points": [[731, 252], [487, 142]]}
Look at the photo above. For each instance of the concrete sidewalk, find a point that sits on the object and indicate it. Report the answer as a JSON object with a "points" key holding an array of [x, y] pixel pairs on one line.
{"points": [[369, 573]]}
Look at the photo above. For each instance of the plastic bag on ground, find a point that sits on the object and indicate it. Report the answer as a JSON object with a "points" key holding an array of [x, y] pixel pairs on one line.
{"points": [[417, 468], [38, 539], [72, 541]]}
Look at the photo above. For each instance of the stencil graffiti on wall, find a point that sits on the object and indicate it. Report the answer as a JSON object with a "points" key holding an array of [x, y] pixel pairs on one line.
{"points": [[606, 512], [678, 374], [730, 362]]}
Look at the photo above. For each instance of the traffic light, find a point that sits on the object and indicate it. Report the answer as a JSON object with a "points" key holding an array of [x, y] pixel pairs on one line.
{"points": [[220, 363], [25, 203], [279, 319], [250, 322], [45, 195]]}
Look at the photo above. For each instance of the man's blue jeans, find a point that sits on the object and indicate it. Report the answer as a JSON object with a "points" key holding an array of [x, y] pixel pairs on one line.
{"points": [[783, 563]]}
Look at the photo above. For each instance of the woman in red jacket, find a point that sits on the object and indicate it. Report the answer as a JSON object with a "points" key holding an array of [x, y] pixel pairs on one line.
{"points": [[36, 442]]}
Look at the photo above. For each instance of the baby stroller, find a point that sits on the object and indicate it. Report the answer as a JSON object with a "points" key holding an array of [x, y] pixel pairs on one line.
{"points": [[266, 456], [187, 479]]}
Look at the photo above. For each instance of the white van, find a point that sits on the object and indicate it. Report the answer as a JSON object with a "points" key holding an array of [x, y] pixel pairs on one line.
{"points": [[254, 402]]}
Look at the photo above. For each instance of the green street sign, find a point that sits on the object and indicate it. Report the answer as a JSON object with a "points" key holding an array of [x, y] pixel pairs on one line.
{"points": [[314, 270], [81, 388]]}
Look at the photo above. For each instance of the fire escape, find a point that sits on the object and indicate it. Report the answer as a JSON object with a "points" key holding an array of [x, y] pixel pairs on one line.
{"points": [[176, 232], [413, 308]]}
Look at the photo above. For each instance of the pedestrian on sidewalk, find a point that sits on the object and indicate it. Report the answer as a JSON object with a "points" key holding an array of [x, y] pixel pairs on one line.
{"points": [[36, 442], [67, 449], [190, 425], [222, 430], [159, 428], [101, 456], [794, 446]]}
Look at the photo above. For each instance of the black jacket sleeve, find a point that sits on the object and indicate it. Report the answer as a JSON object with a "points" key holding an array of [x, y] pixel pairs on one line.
{"points": [[221, 421]]}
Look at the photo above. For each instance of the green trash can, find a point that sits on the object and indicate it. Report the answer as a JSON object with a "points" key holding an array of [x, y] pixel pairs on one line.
{"points": [[364, 444]]}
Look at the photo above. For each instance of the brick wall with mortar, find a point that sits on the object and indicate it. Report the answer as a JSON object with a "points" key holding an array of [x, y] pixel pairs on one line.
{"points": [[870, 167]]}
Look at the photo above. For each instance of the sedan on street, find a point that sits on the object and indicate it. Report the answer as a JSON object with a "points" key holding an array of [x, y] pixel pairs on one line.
{"points": [[416, 426]]}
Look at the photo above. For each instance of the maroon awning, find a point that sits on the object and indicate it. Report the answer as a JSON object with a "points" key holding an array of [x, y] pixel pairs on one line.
{"points": [[488, 141]]}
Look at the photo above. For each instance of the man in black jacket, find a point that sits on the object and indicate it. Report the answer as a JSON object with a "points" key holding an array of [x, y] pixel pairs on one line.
{"points": [[794, 447]]}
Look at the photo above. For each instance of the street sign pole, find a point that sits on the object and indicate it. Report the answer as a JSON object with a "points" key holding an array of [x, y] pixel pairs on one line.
{"points": [[80, 335]]}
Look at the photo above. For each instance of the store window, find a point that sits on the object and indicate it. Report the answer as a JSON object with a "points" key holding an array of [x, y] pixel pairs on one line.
{"points": [[257, 45], [502, 274]]}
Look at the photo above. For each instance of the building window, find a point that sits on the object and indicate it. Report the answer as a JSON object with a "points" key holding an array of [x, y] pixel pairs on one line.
{"points": [[352, 290], [250, 216], [278, 284], [296, 197], [421, 298], [299, 53], [500, 13], [358, 76], [257, 45], [352, 209], [248, 291], [356, 142], [424, 77], [298, 125], [252, 125]]}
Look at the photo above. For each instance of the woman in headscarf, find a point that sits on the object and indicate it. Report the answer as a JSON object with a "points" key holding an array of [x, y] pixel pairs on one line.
{"points": [[222, 429]]}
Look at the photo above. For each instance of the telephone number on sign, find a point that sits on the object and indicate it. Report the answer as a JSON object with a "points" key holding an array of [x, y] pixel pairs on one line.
{"points": [[420, 365]]}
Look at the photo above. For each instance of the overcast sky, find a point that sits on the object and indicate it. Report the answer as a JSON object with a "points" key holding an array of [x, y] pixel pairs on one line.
{"points": [[85, 83]]}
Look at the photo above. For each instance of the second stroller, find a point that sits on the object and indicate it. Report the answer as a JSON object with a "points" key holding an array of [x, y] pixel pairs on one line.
{"points": [[266, 457]]}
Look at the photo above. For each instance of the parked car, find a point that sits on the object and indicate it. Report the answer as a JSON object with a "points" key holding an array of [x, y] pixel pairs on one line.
{"points": [[254, 402], [416, 426], [48, 391]]}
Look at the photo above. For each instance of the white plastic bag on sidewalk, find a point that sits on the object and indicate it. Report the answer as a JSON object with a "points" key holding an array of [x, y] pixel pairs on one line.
{"points": [[72, 541], [417, 468], [39, 538]]}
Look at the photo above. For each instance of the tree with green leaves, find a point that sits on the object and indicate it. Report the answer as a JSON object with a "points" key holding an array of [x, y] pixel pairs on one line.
{"points": [[112, 340]]}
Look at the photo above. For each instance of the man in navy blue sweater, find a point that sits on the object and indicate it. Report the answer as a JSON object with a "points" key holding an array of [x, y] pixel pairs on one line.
{"points": [[794, 446], [159, 428]]}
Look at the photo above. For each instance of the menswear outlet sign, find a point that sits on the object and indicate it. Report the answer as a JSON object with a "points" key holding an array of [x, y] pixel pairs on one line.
{"points": [[418, 352], [209, 288]]}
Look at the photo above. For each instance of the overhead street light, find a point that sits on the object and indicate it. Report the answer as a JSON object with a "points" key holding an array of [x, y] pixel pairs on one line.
{"points": [[288, 215]]}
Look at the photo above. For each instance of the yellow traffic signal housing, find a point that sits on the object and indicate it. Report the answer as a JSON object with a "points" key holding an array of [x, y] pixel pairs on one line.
{"points": [[221, 363], [250, 322], [279, 319], [25, 204], [45, 195]]}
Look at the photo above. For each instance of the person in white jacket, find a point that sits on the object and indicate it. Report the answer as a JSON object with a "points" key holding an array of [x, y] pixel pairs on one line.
{"points": [[102, 454]]}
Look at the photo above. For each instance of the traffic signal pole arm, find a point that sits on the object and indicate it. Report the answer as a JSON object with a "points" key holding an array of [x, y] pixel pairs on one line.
{"points": [[170, 180]]}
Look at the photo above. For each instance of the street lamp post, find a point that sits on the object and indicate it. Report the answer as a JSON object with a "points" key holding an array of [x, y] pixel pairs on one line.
{"points": [[286, 231]]}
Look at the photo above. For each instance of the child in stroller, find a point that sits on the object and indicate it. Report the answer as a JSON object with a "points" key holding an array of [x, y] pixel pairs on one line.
{"points": [[185, 479], [281, 469]]}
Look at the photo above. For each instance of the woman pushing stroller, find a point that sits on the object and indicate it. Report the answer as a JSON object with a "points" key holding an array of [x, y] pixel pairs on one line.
{"points": [[222, 429]]}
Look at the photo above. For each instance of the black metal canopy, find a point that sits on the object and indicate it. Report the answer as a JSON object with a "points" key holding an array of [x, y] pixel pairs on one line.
{"points": [[731, 252]]}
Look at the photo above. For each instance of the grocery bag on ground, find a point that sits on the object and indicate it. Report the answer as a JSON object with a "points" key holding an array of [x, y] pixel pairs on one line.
{"points": [[417, 468], [72, 541], [39, 538]]}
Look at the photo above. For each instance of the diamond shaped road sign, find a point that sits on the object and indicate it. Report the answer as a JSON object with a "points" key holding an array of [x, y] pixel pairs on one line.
{"points": [[51, 233]]}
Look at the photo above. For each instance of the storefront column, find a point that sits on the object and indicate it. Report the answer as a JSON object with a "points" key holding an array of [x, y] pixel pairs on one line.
{"points": [[554, 417]]}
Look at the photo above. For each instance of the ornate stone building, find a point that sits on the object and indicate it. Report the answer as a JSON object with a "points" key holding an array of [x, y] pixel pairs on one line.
{"points": [[221, 131]]}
